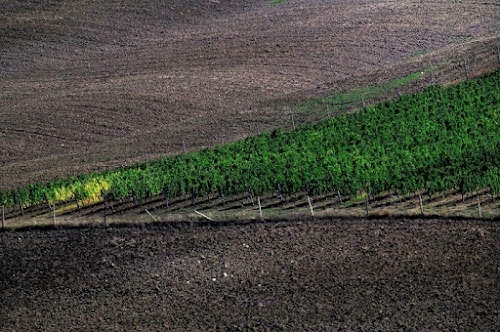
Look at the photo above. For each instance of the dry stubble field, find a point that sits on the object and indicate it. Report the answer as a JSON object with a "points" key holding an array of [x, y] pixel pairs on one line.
{"points": [[87, 85]]}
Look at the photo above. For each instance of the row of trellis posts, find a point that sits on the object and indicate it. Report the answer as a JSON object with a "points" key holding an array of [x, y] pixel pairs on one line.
{"points": [[309, 199], [250, 198]]}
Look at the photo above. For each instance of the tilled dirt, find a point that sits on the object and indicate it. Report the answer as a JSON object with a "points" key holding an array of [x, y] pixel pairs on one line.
{"points": [[321, 275], [87, 85]]}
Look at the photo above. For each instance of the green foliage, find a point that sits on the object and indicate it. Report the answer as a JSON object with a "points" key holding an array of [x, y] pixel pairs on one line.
{"points": [[277, 2], [353, 98], [441, 138]]}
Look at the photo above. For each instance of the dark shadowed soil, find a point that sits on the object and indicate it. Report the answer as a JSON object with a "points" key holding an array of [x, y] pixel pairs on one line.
{"points": [[325, 275]]}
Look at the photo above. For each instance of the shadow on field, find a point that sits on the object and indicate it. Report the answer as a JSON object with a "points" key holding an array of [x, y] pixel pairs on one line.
{"points": [[183, 224]]}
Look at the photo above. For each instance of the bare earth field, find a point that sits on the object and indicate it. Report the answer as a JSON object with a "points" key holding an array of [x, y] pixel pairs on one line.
{"points": [[86, 85], [322, 275]]}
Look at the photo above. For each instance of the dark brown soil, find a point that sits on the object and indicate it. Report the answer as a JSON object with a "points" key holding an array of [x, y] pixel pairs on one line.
{"points": [[86, 85], [323, 275]]}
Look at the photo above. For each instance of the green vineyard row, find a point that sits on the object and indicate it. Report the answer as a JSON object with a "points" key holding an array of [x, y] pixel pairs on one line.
{"points": [[437, 139]]}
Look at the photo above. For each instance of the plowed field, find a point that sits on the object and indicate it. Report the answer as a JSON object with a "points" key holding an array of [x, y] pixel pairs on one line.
{"points": [[322, 275], [87, 85]]}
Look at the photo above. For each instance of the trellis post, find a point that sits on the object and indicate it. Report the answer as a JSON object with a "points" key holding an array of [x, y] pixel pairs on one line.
{"points": [[149, 213], [77, 202], [478, 206], [366, 204], [105, 207], [249, 195], [492, 195], [339, 196], [221, 194], [20, 205], [166, 197], [54, 212], [134, 199], [421, 205], [260, 207], [310, 205]]}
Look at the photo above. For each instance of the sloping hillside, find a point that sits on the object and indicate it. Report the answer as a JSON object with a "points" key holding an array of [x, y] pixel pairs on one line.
{"points": [[90, 84]]}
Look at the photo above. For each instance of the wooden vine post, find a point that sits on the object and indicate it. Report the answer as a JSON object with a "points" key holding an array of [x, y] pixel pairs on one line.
{"points": [[309, 200], [166, 197], [221, 194], [77, 202], [279, 192], [398, 195], [366, 203], [339, 196], [150, 215], [421, 205], [249, 196], [54, 212], [260, 207], [31, 199], [3, 217], [478, 206], [204, 215], [20, 205], [134, 198], [105, 207], [310, 205]]}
